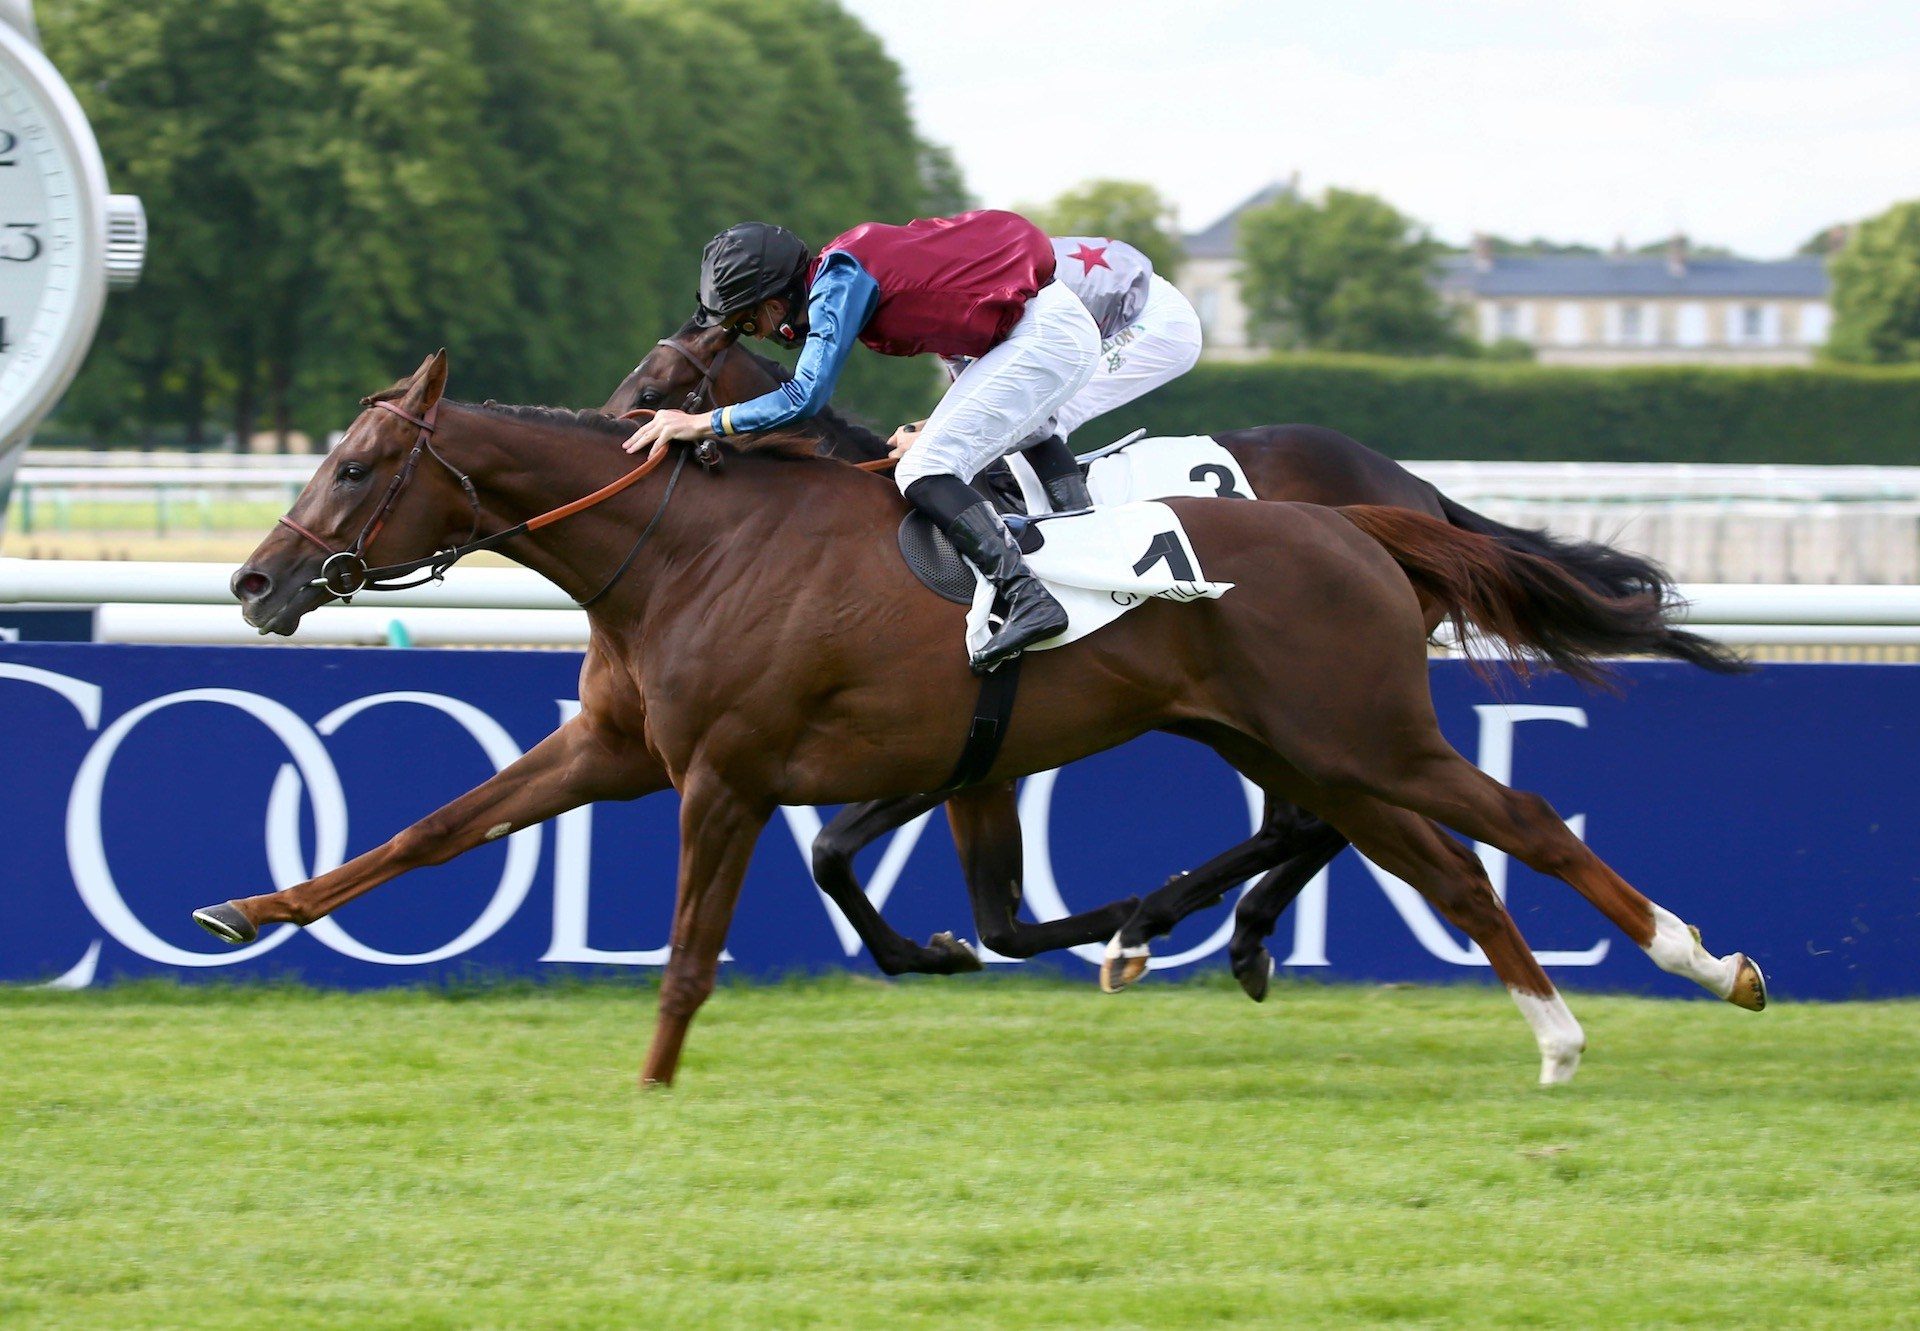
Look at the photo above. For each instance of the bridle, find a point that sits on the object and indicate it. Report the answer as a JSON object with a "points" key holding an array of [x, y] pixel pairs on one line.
{"points": [[701, 397], [345, 572]]}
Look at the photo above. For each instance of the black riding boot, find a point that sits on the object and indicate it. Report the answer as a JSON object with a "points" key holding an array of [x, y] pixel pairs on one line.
{"points": [[977, 532], [1032, 613], [1059, 472]]}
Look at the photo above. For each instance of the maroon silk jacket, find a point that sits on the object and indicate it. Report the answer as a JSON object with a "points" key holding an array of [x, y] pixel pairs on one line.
{"points": [[953, 286]]}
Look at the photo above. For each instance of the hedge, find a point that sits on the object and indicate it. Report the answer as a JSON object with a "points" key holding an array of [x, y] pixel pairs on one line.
{"points": [[1506, 411]]}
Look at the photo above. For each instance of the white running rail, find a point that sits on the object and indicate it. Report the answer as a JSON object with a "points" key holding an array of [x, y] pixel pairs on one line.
{"points": [[190, 602]]}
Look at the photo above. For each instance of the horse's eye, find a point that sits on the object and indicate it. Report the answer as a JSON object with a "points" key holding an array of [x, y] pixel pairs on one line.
{"points": [[649, 396], [353, 471]]}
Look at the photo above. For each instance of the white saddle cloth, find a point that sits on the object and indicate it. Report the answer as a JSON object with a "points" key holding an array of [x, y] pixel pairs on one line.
{"points": [[1100, 564], [1168, 467]]}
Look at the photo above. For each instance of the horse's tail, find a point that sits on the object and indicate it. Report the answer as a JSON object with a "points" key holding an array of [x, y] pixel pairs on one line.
{"points": [[1528, 601], [1612, 573]]}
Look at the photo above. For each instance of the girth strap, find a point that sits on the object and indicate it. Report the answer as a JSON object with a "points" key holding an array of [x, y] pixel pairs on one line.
{"points": [[992, 711]]}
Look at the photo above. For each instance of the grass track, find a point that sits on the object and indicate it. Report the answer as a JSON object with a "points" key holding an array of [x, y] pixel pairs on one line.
{"points": [[996, 1154]]}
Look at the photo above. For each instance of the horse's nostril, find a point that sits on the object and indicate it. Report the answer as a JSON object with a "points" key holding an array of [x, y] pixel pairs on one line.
{"points": [[250, 584]]}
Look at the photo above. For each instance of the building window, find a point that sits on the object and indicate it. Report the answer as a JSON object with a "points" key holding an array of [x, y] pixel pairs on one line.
{"points": [[1690, 325], [1569, 324], [1632, 323], [1814, 322], [1506, 321], [1752, 321]]}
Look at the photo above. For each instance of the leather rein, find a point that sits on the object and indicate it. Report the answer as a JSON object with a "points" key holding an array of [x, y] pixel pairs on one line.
{"points": [[346, 574], [701, 396]]}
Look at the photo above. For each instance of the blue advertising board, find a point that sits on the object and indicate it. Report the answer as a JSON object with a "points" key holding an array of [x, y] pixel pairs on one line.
{"points": [[1775, 811]]}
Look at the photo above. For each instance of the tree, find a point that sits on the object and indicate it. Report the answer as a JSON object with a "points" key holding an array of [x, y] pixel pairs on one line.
{"points": [[1876, 289], [1827, 240], [1346, 273], [336, 188], [1121, 210]]}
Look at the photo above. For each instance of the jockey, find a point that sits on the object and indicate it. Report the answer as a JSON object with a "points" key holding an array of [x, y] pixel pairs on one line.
{"points": [[1149, 335], [978, 286]]}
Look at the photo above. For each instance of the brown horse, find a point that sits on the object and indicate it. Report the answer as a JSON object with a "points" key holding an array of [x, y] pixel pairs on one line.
{"points": [[759, 643], [701, 368]]}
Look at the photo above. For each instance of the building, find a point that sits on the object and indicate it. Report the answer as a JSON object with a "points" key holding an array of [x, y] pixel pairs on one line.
{"points": [[1574, 309], [1209, 276], [1641, 309]]}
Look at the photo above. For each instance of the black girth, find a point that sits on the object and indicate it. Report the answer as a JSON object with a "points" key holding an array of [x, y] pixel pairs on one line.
{"points": [[992, 710]]}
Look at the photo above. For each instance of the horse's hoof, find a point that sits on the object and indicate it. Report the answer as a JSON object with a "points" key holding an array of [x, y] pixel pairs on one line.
{"points": [[1256, 975], [1121, 966], [1558, 1066], [953, 956], [226, 923], [1749, 985]]}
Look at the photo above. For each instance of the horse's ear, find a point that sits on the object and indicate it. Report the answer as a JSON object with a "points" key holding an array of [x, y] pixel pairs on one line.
{"points": [[428, 383]]}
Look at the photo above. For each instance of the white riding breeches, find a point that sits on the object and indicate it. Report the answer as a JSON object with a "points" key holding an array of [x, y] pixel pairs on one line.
{"points": [[998, 400], [1159, 346]]}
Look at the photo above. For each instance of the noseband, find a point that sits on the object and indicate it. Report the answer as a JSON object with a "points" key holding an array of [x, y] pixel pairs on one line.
{"points": [[345, 572]]}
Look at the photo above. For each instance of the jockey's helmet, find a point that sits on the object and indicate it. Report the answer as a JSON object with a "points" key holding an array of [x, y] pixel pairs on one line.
{"points": [[750, 262]]}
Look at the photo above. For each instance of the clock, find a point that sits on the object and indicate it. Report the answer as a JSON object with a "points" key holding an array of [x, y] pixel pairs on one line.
{"points": [[63, 239]]}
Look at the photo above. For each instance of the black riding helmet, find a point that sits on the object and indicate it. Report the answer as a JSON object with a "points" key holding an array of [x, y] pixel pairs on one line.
{"points": [[748, 263]]}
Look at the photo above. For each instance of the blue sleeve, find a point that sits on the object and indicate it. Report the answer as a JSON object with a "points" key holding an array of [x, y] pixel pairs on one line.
{"points": [[843, 298]]}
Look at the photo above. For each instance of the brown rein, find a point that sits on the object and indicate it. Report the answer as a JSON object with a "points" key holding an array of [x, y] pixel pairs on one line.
{"points": [[702, 393], [345, 572]]}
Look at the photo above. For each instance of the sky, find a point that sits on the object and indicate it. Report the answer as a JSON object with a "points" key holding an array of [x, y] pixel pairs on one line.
{"points": [[1750, 124]]}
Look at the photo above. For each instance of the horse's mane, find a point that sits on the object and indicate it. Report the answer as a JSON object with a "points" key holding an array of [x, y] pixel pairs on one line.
{"points": [[772, 443], [874, 444]]}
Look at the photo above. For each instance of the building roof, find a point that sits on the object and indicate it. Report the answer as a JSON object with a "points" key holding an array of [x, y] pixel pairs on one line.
{"points": [[1221, 239], [1633, 275]]}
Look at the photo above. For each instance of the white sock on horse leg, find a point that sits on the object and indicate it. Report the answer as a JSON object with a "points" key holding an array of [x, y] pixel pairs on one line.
{"points": [[1677, 950], [1559, 1036]]}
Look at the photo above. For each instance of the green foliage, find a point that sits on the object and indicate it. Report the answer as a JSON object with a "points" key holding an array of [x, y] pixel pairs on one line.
{"points": [[1348, 272], [1502, 245], [1876, 290], [1477, 409], [335, 189], [1662, 248], [1121, 210], [1827, 240], [1506, 348]]}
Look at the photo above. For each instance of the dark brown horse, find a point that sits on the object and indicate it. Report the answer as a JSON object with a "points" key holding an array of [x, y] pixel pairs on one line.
{"points": [[701, 368], [756, 642]]}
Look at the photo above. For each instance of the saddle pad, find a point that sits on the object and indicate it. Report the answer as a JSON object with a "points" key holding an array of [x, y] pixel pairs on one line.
{"points": [[1164, 467], [1100, 564], [1169, 467]]}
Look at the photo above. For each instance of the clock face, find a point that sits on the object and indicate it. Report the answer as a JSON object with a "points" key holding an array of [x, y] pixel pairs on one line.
{"points": [[51, 237]]}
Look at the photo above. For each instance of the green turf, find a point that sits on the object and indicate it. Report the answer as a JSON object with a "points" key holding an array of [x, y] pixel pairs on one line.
{"points": [[1019, 1155]]}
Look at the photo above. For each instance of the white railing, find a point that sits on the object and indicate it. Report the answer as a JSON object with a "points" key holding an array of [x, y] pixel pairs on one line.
{"points": [[1570, 482], [1662, 482], [188, 602]]}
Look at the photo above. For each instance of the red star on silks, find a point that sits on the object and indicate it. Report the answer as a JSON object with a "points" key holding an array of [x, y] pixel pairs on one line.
{"points": [[1090, 258]]}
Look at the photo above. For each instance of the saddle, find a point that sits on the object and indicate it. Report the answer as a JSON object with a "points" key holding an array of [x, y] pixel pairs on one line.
{"points": [[931, 557], [943, 570]]}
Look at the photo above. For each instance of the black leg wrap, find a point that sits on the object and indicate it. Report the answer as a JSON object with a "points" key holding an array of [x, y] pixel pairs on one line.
{"points": [[1059, 472], [942, 498]]}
